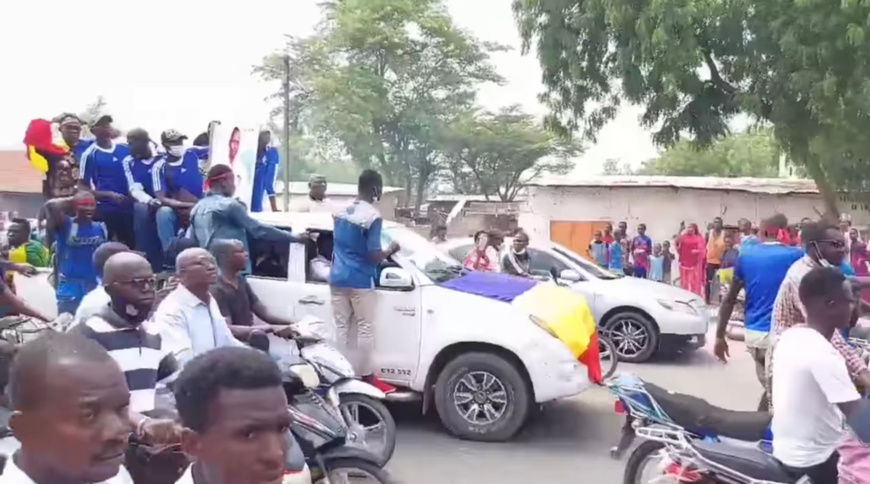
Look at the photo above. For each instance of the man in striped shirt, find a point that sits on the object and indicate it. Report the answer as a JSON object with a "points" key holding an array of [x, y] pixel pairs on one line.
{"points": [[121, 329], [826, 247]]}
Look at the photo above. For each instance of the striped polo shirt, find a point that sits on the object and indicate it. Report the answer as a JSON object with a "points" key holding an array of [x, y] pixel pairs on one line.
{"points": [[136, 350]]}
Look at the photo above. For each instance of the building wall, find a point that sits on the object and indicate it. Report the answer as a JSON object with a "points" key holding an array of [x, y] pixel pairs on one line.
{"points": [[26, 204], [662, 209]]}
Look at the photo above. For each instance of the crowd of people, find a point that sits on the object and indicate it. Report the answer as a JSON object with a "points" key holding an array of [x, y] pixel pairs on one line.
{"points": [[801, 305]]}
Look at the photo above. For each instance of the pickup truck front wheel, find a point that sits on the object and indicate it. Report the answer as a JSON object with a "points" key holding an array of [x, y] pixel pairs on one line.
{"points": [[482, 396]]}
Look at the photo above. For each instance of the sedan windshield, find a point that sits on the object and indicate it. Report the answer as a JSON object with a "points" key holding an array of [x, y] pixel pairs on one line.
{"points": [[599, 272], [439, 266]]}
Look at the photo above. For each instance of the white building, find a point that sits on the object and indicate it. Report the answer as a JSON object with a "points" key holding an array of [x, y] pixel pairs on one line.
{"points": [[568, 211]]}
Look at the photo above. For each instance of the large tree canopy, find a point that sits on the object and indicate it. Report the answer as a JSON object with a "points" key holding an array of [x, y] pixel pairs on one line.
{"points": [[803, 66]]}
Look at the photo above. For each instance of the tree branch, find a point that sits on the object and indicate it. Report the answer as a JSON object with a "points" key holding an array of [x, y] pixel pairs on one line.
{"points": [[715, 76]]}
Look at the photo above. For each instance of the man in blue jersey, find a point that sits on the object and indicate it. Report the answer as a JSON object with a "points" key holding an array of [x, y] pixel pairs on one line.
{"points": [[177, 184], [760, 269], [139, 167], [102, 169], [356, 255], [265, 172], [78, 237]]}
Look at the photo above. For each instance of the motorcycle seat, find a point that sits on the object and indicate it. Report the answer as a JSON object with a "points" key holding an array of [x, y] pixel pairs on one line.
{"points": [[749, 461], [698, 415]]}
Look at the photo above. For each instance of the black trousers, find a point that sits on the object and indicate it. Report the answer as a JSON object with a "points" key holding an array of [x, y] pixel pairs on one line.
{"points": [[120, 228], [822, 473], [711, 273]]}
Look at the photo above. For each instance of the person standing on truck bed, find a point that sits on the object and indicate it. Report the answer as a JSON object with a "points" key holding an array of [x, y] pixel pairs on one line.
{"points": [[356, 255]]}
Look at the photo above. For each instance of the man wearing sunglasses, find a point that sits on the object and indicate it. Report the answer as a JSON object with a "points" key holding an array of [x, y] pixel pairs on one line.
{"points": [[826, 247], [121, 328]]}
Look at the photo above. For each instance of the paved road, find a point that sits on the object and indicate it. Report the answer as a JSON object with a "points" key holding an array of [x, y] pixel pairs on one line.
{"points": [[569, 441]]}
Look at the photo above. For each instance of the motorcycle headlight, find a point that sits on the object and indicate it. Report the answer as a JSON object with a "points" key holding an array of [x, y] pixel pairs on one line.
{"points": [[678, 306]]}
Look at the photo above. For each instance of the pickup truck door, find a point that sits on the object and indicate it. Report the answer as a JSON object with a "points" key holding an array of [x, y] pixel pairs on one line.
{"points": [[398, 319]]}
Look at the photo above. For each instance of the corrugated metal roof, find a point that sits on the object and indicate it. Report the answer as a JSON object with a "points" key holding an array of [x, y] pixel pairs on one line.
{"points": [[17, 175], [776, 186]]}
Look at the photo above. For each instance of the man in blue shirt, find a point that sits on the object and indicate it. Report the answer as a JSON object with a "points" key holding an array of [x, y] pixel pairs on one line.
{"points": [[102, 171], [265, 173], [139, 168], [760, 269], [178, 185], [220, 216], [77, 239], [356, 254]]}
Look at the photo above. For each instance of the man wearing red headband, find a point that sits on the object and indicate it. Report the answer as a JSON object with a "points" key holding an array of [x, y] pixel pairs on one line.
{"points": [[78, 237], [220, 216]]}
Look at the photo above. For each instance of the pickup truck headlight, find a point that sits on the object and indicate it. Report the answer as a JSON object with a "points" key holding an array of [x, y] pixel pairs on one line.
{"points": [[680, 307]]}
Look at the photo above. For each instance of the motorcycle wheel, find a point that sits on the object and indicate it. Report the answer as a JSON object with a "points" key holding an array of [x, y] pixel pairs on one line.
{"points": [[608, 355], [363, 413], [638, 461], [349, 470]]}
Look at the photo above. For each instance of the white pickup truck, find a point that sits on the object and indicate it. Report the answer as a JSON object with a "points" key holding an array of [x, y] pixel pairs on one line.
{"points": [[482, 362]]}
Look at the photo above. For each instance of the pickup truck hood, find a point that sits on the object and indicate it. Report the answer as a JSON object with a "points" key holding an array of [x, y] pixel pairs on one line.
{"points": [[650, 288]]}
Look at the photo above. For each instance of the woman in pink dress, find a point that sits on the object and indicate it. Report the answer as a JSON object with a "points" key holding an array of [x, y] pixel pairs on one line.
{"points": [[692, 254]]}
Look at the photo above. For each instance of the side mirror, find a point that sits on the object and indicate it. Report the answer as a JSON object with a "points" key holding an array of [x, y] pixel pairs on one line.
{"points": [[570, 275], [395, 278]]}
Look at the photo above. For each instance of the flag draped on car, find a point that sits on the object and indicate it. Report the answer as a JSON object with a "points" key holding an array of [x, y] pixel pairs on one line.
{"points": [[558, 310]]}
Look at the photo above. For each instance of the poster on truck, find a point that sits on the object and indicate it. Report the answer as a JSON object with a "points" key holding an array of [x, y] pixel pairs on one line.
{"points": [[236, 146]]}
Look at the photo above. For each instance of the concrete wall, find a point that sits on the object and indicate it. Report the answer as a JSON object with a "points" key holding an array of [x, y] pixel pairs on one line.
{"points": [[662, 209]]}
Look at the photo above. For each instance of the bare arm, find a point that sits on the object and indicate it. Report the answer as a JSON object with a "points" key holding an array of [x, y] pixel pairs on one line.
{"points": [[263, 313], [728, 307], [57, 208], [19, 306]]}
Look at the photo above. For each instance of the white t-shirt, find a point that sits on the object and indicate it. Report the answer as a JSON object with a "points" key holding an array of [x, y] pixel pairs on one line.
{"points": [[809, 380]]}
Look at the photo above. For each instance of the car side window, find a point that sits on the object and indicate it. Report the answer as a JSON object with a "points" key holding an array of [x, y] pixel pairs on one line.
{"points": [[541, 262]]}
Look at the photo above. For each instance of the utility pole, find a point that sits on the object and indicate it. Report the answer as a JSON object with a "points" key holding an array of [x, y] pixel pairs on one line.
{"points": [[286, 93]]}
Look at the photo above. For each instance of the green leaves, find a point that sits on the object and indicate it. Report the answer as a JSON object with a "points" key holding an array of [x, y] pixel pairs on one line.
{"points": [[800, 65]]}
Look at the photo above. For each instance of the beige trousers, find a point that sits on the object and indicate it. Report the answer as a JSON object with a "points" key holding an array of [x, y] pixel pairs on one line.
{"points": [[354, 311]]}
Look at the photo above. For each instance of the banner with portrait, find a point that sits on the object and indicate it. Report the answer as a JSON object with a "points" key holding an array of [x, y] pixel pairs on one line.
{"points": [[236, 146]]}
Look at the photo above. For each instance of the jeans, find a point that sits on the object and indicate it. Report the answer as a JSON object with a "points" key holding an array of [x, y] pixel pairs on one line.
{"points": [[355, 307], [120, 227], [167, 226], [146, 238]]}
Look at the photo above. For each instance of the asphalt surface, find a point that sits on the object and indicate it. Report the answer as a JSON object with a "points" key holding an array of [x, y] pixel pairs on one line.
{"points": [[569, 441]]}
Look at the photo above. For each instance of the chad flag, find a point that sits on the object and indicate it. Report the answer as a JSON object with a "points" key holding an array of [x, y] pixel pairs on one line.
{"points": [[40, 143]]}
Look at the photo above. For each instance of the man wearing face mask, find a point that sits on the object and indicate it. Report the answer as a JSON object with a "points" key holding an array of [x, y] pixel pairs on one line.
{"points": [[177, 184], [220, 216], [139, 168], [356, 254], [121, 328], [825, 247], [517, 260]]}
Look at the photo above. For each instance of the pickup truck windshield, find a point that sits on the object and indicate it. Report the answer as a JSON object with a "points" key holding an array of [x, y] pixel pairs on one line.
{"points": [[439, 266]]}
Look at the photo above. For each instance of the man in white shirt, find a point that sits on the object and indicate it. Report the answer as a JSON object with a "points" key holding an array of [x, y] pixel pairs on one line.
{"points": [[189, 319], [812, 389], [70, 414], [97, 299]]}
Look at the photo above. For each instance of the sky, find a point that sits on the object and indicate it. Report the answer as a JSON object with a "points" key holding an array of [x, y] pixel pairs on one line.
{"points": [[181, 63]]}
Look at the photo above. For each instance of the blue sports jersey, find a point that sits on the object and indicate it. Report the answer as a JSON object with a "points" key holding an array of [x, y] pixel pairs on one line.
{"points": [[104, 170], [265, 173], [79, 149], [356, 234], [140, 174], [76, 244], [172, 177], [762, 268]]}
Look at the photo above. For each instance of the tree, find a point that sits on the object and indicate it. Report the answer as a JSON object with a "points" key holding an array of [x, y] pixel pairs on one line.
{"points": [[799, 66], [752, 154], [93, 111], [389, 77], [612, 167], [501, 152]]}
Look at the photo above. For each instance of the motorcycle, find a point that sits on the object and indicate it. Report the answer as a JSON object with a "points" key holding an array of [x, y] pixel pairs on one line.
{"points": [[692, 440], [370, 424]]}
